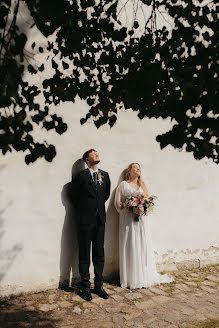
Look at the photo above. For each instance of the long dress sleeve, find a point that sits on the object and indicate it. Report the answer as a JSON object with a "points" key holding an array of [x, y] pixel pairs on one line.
{"points": [[118, 197]]}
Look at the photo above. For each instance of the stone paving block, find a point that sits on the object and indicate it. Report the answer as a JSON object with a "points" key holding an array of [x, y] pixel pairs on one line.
{"points": [[101, 324], [158, 291], [30, 308], [118, 320], [211, 315], [47, 307], [110, 301], [207, 289], [119, 289], [134, 324], [212, 278], [51, 298], [133, 296], [98, 301], [28, 303], [191, 283], [198, 317], [173, 317], [145, 305], [117, 308], [132, 315], [213, 298], [209, 283], [186, 310], [77, 298], [77, 310], [148, 319], [160, 299], [65, 304], [146, 292], [183, 287], [126, 308], [158, 324], [199, 294], [87, 311], [183, 296], [117, 298], [89, 305]]}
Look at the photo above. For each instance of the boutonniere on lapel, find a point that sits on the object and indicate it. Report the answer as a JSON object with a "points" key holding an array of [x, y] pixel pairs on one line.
{"points": [[100, 177]]}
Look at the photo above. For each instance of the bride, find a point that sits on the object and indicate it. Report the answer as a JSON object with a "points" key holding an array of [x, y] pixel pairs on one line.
{"points": [[136, 259]]}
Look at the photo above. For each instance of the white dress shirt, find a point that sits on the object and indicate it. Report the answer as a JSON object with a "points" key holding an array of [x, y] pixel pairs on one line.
{"points": [[92, 172]]}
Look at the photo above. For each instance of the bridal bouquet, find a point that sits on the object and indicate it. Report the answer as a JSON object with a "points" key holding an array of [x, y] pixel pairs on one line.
{"points": [[139, 205]]}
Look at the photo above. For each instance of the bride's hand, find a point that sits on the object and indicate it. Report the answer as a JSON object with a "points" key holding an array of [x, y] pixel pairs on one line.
{"points": [[139, 211]]}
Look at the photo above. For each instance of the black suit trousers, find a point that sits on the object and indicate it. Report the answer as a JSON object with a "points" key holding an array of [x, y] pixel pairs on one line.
{"points": [[91, 234]]}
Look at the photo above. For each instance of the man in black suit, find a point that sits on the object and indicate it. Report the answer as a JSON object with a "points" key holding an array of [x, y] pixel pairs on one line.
{"points": [[91, 189]]}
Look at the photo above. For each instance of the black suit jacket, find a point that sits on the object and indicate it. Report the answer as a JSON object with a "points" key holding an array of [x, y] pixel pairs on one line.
{"points": [[89, 200]]}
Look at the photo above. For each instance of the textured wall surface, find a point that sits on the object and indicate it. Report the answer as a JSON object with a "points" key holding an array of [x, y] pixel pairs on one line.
{"points": [[37, 230], [38, 246]]}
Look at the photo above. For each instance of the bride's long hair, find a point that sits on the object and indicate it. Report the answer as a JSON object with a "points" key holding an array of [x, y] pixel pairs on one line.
{"points": [[140, 181]]}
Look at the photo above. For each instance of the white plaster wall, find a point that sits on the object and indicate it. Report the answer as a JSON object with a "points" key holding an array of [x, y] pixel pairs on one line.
{"points": [[37, 236], [184, 225]]}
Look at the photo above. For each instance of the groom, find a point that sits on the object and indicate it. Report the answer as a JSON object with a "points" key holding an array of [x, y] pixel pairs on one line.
{"points": [[91, 189]]}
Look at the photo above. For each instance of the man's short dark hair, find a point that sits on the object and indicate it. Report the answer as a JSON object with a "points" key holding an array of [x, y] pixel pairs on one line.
{"points": [[86, 155]]}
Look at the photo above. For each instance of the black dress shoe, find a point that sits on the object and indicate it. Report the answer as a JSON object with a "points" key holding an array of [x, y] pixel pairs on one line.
{"points": [[86, 294], [101, 292]]}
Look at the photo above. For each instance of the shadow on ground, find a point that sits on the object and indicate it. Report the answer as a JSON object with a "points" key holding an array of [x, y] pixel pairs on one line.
{"points": [[17, 315]]}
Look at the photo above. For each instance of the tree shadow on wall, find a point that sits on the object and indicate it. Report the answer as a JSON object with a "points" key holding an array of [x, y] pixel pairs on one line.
{"points": [[69, 245], [14, 315], [7, 256]]}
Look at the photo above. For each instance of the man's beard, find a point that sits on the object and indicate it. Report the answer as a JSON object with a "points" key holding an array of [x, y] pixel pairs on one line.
{"points": [[96, 162]]}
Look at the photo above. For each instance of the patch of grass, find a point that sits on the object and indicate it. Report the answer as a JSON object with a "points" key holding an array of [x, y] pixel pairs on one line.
{"points": [[212, 323], [210, 268], [199, 279], [163, 272], [170, 288]]}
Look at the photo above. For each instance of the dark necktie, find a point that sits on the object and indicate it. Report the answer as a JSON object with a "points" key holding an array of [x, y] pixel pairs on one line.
{"points": [[95, 178]]}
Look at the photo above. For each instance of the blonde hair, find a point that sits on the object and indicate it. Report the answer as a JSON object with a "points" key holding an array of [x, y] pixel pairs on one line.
{"points": [[140, 181]]}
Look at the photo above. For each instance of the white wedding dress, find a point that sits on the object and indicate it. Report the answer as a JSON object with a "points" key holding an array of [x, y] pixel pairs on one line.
{"points": [[136, 256]]}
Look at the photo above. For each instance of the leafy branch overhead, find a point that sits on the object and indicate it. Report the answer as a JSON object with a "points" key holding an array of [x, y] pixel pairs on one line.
{"points": [[159, 58]]}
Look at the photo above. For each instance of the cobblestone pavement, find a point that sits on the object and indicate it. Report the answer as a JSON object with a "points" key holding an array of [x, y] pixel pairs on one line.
{"points": [[192, 301]]}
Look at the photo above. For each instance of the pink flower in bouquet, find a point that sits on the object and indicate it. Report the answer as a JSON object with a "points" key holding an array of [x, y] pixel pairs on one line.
{"points": [[139, 205]]}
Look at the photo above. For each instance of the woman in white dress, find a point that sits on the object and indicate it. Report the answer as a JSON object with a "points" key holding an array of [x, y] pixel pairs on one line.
{"points": [[136, 258]]}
